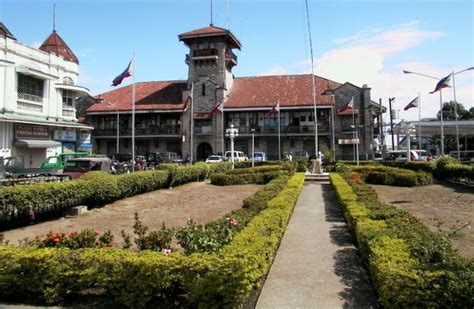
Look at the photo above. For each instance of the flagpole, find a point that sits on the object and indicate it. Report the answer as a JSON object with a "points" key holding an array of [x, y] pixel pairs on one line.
{"points": [[133, 115], [353, 132], [456, 118], [442, 121], [223, 130], [279, 141], [192, 123], [419, 122]]}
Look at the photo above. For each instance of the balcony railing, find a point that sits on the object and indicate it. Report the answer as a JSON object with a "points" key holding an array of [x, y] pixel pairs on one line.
{"points": [[138, 131], [322, 128], [230, 56], [206, 130], [205, 52]]}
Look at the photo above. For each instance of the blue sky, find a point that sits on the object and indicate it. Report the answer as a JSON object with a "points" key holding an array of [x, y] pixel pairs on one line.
{"points": [[363, 42]]}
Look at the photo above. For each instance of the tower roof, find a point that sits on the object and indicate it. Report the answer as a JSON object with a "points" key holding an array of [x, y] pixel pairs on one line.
{"points": [[5, 32], [55, 44], [187, 37]]}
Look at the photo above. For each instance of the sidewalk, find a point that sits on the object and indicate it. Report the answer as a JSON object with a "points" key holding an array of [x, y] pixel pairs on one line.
{"points": [[317, 265]]}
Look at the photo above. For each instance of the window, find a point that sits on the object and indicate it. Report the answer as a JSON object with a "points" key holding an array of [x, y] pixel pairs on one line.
{"points": [[68, 81], [68, 98], [203, 89], [30, 88]]}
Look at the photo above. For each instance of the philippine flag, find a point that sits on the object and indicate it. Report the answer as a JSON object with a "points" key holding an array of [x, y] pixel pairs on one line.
{"points": [[127, 73], [443, 83], [349, 105], [275, 109], [218, 108], [413, 103]]}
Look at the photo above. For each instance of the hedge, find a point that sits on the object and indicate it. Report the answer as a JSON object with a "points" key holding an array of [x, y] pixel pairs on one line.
{"points": [[409, 265], [137, 279], [96, 188], [383, 175]]}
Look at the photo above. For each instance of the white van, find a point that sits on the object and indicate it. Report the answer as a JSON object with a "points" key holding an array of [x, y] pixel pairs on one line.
{"points": [[239, 156]]}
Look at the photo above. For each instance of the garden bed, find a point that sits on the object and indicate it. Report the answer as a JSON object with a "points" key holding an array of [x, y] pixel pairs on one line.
{"points": [[199, 200], [446, 203]]}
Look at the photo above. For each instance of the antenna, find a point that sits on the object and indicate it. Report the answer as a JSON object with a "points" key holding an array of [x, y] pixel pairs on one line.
{"points": [[54, 17], [211, 13]]}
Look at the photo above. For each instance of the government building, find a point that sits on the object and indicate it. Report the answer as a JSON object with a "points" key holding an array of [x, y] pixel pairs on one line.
{"points": [[38, 92], [167, 121]]}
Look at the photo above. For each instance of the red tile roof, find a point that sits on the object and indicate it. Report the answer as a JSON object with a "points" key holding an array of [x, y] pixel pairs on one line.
{"points": [[55, 44], [247, 92], [165, 95], [210, 31], [289, 90]]}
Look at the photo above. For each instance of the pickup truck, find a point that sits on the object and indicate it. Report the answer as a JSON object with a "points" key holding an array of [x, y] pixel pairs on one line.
{"points": [[14, 167], [57, 162]]}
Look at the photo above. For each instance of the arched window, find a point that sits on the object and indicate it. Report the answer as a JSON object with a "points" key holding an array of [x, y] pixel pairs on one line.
{"points": [[68, 81]]}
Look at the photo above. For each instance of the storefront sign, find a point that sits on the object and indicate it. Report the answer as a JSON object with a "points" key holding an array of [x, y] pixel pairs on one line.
{"points": [[66, 136], [24, 131], [85, 137]]}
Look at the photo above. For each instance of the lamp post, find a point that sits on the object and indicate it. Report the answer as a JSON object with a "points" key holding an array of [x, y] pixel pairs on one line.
{"points": [[253, 146], [409, 130], [232, 133], [441, 106], [118, 125], [356, 129]]}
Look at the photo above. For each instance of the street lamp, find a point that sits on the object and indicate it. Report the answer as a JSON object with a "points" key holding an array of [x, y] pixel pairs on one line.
{"points": [[441, 106], [253, 146], [356, 129], [118, 124], [232, 133], [409, 131]]}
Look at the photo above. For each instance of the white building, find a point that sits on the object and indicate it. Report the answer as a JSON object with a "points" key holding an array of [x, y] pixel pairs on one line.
{"points": [[38, 89]]}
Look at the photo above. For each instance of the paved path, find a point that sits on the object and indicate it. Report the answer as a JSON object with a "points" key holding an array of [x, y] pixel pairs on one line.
{"points": [[317, 265]]}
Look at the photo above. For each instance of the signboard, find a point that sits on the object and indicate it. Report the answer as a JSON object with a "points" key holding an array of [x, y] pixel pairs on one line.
{"points": [[24, 131], [66, 136], [349, 141], [85, 137]]}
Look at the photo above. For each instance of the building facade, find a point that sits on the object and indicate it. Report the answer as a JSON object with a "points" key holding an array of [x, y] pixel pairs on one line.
{"points": [[191, 116], [38, 89]]}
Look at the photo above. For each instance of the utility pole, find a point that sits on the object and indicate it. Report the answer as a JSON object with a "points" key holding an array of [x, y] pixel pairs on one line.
{"points": [[391, 121]]}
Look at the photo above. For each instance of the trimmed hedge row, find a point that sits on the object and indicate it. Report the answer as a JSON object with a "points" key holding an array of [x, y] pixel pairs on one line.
{"points": [[136, 279], [258, 178], [409, 265], [391, 176], [96, 188]]}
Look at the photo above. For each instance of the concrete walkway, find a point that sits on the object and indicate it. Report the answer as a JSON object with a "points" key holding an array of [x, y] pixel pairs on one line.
{"points": [[317, 265]]}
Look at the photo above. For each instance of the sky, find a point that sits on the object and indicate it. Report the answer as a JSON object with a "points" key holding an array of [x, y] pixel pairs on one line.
{"points": [[363, 42]]}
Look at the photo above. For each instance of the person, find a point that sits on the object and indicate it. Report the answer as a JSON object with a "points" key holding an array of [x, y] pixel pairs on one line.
{"points": [[429, 157], [290, 157]]}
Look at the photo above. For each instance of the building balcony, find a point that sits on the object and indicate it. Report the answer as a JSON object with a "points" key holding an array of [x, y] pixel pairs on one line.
{"points": [[323, 128], [138, 132], [231, 57], [205, 130]]}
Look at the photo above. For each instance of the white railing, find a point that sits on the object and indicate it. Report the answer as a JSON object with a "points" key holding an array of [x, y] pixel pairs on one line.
{"points": [[29, 106], [68, 111], [30, 97]]}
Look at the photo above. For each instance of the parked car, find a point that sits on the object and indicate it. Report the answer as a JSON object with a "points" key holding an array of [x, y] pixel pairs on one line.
{"points": [[300, 155], [260, 156], [170, 157], [239, 156], [76, 167], [214, 159], [153, 158], [121, 157]]}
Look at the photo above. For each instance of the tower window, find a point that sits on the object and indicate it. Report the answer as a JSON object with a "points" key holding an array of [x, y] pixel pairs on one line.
{"points": [[203, 89]]}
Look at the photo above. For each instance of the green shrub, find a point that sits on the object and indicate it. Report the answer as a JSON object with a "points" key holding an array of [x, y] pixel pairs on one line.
{"points": [[102, 188], [140, 182], [240, 179], [137, 279]]}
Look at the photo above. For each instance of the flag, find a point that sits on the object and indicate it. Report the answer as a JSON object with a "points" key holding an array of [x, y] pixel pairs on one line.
{"points": [[218, 108], [443, 83], [275, 108], [128, 72], [186, 103], [413, 103], [349, 105]]}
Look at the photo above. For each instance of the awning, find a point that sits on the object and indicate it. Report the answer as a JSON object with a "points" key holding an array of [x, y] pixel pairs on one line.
{"points": [[37, 143], [80, 91]]}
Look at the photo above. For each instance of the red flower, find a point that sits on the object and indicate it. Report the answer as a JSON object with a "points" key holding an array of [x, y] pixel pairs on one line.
{"points": [[233, 221], [31, 214]]}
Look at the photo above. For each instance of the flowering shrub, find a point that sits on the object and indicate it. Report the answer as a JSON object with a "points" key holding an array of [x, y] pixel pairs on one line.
{"points": [[154, 240], [87, 238]]}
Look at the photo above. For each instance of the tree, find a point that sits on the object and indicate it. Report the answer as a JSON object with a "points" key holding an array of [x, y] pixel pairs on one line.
{"points": [[449, 112]]}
